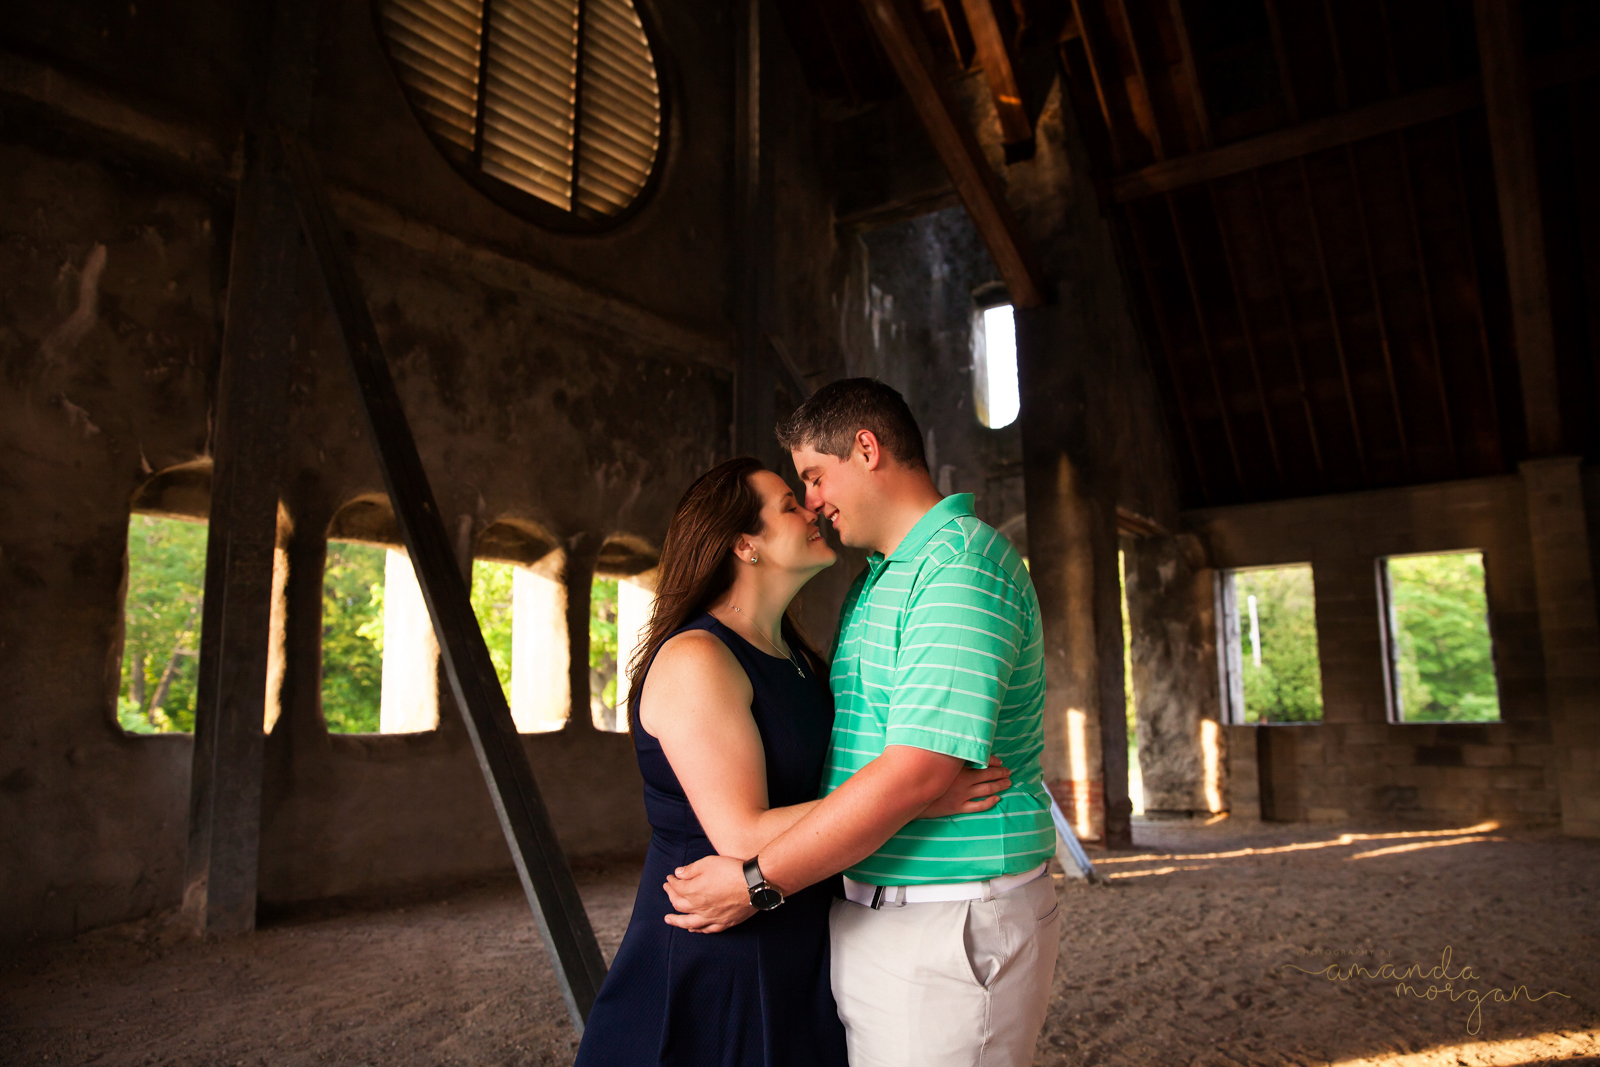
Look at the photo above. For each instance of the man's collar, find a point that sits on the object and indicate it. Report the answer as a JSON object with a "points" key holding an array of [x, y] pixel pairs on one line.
{"points": [[951, 507]]}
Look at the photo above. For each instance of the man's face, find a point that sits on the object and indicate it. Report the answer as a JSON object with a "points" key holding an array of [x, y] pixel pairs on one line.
{"points": [[837, 489]]}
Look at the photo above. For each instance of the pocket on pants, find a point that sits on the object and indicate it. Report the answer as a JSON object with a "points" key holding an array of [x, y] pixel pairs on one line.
{"points": [[986, 943]]}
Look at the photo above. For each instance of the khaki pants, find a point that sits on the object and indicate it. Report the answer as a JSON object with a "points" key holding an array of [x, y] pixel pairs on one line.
{"points": [[961, 983]]}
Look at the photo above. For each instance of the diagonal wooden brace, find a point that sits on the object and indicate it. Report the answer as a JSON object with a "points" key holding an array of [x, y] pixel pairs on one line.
{"points": [[540, 863]]}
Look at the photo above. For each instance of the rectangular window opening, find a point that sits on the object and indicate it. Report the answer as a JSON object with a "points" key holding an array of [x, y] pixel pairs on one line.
{"points": [[1135, 777], [1438, 640], [996, 393], [161, 619], [379, 656], [523, 613], [1270, 666]]}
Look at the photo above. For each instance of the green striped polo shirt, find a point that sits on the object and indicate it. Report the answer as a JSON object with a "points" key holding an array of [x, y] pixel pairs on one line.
{"points": [[939, 648]]}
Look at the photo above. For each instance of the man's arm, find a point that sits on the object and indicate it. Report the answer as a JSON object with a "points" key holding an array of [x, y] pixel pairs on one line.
{"points": [[850, 825], [962, 635]]}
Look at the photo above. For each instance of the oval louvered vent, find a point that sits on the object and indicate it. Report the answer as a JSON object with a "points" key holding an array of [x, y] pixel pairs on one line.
{"points": [[556, 100]]}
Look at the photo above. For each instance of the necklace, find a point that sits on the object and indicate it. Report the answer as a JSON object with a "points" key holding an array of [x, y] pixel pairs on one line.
{"points": [[775, 648]]}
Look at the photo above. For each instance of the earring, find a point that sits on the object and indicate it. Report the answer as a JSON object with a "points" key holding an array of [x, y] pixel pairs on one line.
{"points": [[752, 559]]}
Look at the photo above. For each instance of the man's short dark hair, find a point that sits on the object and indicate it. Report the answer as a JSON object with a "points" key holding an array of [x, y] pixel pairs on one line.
{"points": [[830, 420]]}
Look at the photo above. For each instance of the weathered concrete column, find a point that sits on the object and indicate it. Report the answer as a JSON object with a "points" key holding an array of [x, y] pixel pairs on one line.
{"points": [[219, 895], [1570, 629], [1183, 753], [1072, 555]]}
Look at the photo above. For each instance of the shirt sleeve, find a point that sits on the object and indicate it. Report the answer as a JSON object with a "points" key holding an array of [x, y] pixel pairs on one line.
{"points": [[963, 634]]}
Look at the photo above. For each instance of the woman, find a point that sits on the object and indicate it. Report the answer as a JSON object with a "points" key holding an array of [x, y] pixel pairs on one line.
{"points": [[731, 717]]}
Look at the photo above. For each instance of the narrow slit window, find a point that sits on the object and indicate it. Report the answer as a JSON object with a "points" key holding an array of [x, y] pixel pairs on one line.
{"points": [[161, 619], [1438, 638], [619, 616], [379, 655], [548, 104], [1271, 670], [523, 613], [996, 395]]}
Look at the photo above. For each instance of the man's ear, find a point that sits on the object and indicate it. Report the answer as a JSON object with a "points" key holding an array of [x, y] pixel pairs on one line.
{"points": [[868, 449]]}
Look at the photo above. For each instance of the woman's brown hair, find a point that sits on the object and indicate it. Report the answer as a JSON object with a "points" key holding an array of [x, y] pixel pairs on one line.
{"points": [[697, 563]]}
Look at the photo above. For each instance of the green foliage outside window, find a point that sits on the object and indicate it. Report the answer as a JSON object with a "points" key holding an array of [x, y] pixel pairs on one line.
{"points": [[1287, 686], [352, 637], [161, 647], [491, 600], [1445, 664], [603, 650]]}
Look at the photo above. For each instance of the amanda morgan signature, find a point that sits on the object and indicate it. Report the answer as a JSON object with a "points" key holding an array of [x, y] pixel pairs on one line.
{"points": [[1403, 976]]}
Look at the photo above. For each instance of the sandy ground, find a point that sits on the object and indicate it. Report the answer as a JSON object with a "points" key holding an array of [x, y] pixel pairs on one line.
{"points": [[1209, 945]]}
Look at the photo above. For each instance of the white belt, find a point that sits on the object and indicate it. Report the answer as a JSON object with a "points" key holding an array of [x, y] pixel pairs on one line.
{"points": [[875, 896]]}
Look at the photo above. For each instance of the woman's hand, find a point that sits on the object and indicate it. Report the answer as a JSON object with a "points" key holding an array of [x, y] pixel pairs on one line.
{"points": [[973, 790]]}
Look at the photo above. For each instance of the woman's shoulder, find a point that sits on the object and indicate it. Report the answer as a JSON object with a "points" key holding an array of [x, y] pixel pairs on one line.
{"points": [[695, 651]]}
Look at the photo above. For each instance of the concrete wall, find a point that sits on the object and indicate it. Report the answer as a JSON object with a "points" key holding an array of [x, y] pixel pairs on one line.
{"points": [[1356, 762], [570, 384]]}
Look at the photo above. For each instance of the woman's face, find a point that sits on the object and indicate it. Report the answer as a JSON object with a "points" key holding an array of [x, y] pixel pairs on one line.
{"points": [[789, 538]]}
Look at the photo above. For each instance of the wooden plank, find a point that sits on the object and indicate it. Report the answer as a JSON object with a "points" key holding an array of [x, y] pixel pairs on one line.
{"points": [[1285, 144], [754, 413], [1288, 324], [224, 827], [1426, 105], [540, 863], [1333, 321], [998, 71], [1144, 111], [975, 182], [1377, 308], [1427, 300], [1244, 328], [1205, 343], [1170, 350], [1190, 73], [1509, 106]]}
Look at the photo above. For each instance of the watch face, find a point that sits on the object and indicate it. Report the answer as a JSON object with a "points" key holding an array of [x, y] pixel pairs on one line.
{"points": [[765, 897]]}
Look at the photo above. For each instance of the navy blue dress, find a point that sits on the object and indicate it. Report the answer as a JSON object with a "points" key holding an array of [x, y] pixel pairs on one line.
{"points": [[757, 995]]}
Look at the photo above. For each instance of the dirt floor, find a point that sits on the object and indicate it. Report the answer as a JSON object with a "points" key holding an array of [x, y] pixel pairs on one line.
{"points": [[1231, 943]]}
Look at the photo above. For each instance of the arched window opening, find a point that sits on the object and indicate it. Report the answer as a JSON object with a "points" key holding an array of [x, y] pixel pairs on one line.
{"points": [[521, 604], [380, 659], [163, 604], [553, 105]]}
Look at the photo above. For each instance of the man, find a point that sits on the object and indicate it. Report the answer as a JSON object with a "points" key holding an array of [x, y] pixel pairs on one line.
{"points": [[944, 951]]}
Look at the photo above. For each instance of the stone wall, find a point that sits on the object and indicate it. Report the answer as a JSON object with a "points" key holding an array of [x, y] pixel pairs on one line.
{"points": [[1356, 762]]}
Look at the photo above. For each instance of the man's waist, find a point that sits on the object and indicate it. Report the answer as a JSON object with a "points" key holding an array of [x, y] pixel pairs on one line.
{"points": [[875, 895]]}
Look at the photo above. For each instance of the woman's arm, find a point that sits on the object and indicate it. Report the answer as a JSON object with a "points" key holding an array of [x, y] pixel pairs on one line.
{"points": [[696, 701]]}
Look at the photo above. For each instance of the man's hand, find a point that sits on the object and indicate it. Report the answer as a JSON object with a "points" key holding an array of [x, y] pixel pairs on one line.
{"points": [[711, 894], [975, 789]]}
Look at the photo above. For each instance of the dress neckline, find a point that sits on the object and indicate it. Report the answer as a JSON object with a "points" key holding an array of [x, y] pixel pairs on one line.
{"points": [[751, 645]]}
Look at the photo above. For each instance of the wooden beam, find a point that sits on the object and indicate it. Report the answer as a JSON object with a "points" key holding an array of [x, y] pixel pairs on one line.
{"points": [[995, 58], [1286, 144], [975, 182], [1509, 104], [1335, 131], [535, 851], [224, 828]]}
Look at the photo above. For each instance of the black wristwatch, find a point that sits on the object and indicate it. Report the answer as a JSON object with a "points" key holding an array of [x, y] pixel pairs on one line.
{"points": [[764, 896]]}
